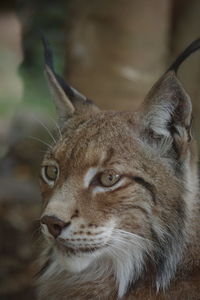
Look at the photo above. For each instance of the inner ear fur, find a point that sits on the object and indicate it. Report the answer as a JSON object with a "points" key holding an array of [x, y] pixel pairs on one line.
{"points": [[166, 114]]}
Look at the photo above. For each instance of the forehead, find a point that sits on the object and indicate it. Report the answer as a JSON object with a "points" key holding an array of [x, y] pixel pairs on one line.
{"points": [[94, 139]]}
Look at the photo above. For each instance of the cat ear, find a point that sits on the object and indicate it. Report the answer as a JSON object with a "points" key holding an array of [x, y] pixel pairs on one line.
{"points": [[67, 99], [167, 111], [166, 114]]}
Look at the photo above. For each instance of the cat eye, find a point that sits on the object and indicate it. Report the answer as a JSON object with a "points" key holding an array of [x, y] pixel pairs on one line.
{"points": [[109, 178], [50, 173]]}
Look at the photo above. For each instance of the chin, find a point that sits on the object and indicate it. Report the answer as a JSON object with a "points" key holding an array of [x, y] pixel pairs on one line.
{"points": [[76, 260]]}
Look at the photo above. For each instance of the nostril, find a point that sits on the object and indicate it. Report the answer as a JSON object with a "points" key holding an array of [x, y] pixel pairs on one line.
{"points": [[57, 227], [54, 229], [54, 225]]}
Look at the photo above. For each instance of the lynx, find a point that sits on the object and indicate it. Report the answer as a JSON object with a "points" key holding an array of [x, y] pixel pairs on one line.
{"points": [[120, 215]]}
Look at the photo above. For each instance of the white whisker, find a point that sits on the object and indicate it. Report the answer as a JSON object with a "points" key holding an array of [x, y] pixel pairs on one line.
{"points": [[132, 235], [41, 141], [47, 129], [57, 126]]}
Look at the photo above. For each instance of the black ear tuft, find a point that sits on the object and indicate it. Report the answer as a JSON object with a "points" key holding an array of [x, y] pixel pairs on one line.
{"points": [[48, 56], [194, 46], [67, 99]]}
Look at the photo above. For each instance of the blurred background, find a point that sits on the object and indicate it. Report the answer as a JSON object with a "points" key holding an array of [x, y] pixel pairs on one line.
{"points": [[112, 51]]}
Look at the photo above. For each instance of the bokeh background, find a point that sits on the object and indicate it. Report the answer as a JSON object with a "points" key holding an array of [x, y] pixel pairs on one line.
{"points": [[110, 50]]}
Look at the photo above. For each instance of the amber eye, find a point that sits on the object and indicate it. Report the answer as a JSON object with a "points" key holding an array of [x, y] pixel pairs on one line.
{"points": [[50, 174], [109, 178]]}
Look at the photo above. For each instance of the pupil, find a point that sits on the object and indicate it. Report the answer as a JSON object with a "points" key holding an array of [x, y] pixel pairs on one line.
{"points": [[110, 177]]}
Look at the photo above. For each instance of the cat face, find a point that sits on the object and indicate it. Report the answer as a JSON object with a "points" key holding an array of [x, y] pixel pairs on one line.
{"points": [[113, 185], [94, 185], [104, 193]]}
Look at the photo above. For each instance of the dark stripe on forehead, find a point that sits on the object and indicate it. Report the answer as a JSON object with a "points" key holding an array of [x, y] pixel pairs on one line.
{"points": [[147, 186]]}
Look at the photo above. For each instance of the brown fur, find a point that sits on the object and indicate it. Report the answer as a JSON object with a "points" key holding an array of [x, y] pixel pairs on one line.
{"points": [[157, 201]]}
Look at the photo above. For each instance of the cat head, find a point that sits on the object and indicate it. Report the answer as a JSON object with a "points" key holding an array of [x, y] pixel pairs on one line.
{"points": [[114, 185]]}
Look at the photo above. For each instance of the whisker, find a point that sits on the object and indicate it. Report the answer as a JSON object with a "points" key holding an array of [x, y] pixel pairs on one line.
{"points": [[123, 240], [41, 141], [124, 243], [57, 126], [47, 129], [133, 235]]}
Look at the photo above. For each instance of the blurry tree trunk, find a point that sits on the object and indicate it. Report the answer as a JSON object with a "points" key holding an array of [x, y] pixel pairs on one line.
{"points": [[116, 49]]}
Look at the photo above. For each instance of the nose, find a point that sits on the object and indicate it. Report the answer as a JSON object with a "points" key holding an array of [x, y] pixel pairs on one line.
{"points": [[54, 225]]}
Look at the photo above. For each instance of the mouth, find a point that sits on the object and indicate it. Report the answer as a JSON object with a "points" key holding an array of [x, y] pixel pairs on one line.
{"points": [[70, 248]]}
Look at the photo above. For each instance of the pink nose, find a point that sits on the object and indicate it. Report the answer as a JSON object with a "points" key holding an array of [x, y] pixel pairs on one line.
{"points": [[54, 225]]}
